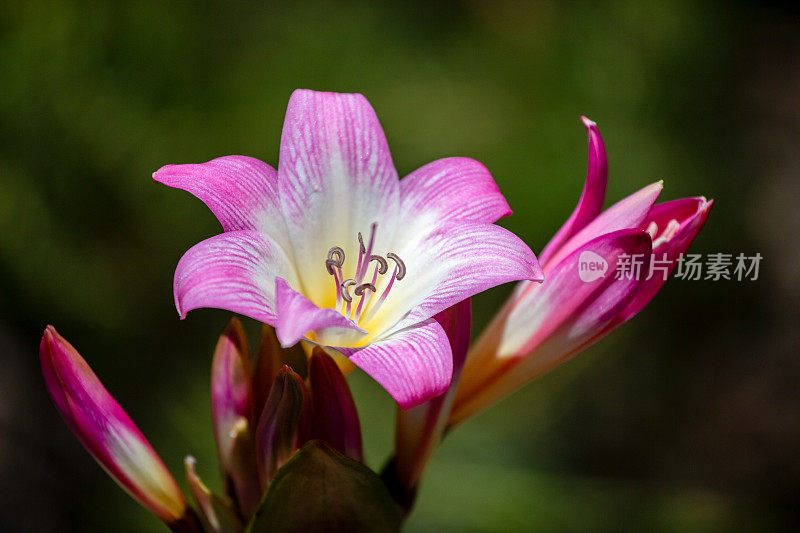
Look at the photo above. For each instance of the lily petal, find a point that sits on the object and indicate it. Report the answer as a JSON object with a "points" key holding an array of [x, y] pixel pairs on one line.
{"points": [[232, 401], [233, 271], [243, 484], [231, 390], [280, 424], [297, 315], [334, 417], [269, 359], [216, 513], [419, 430], [549, 323], [455, 188], [241, 191], [594, 193], [106, 431], [691, 215], [413, 365], [336, 178], [627, 213], [450, 263]]}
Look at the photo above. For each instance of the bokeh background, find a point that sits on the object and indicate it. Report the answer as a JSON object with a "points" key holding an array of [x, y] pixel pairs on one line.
{"points": [[688, 418]]}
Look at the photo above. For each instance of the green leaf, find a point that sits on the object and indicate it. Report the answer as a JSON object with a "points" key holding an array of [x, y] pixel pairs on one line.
{"points": [[319, 489]]}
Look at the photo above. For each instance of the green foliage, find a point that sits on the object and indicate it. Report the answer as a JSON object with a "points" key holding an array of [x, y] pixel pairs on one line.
{"points": [[320, 489]]}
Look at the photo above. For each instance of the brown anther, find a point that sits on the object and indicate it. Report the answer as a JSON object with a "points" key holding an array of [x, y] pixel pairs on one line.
{"points": [[346, 284], [383, 266], [364, 286], [401, 266]]}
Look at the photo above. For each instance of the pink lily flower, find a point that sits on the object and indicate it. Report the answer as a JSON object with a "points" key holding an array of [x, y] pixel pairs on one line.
{"points": [[334, 249], [541, 326], [107, 432]]}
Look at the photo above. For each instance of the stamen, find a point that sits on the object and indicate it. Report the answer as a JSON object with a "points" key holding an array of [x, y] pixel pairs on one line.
{"points": [[669, 232], [652, 229], [672, 228], [346, 284], [344, 298], [382, 267], [401, 266], [339, 253], [337, 277], [361, 244], [361, 270], [359, 291], [361, 252], [330, 264]]}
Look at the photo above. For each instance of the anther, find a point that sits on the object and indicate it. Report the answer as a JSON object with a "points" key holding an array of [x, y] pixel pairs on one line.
{"points": [[652, 229], [669, 232], [361, 243], [363, 287], [331, 262], [401, 266], [338, 252], [383, 266], [346, 284]]}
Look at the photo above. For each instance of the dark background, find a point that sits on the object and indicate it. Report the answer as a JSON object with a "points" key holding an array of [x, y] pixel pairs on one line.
{"points": [[688, 418]]}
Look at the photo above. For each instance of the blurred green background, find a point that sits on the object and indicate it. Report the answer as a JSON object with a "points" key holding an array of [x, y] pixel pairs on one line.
{"points": [[688, 418]]}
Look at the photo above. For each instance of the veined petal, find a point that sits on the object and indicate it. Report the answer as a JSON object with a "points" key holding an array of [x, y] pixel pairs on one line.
{"points": [[627, 213], [241, 191], [336, 178], [233, 271], [297, 315], [551, 322], [106, 431], [594, 193], [455, 188], [419, 430], [413, 365], [690, 214], [449, 263]]}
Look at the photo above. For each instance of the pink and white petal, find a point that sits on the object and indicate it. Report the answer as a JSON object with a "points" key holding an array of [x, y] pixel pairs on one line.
{"points": [[450, 263], [413, 365], [241, 191], [455, 188], [566, 300], [594, 193], [627, 213], [335, 179], [234, 271], [106, 431], [691, 214], [546, 324], [297, 316]]}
